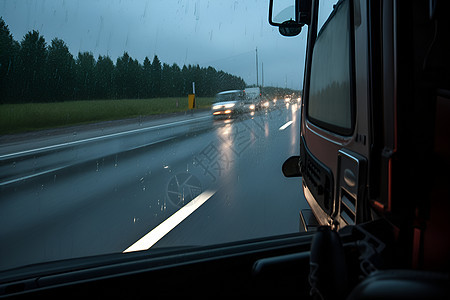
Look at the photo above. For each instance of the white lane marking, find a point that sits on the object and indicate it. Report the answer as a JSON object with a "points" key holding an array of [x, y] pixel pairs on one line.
{"points": [[170, 223], [31, 176], [99, 138], [285, 125], [66, 166]]}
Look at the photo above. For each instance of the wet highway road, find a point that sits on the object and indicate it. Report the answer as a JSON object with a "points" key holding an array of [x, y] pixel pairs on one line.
{"points": [[178, 181]]}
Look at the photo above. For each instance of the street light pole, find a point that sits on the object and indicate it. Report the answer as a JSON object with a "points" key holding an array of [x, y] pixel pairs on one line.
{"points": [[257, 83]]}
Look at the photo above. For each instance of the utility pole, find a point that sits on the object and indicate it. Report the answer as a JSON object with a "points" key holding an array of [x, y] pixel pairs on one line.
{"points": [[262, 74], [257, 83]]}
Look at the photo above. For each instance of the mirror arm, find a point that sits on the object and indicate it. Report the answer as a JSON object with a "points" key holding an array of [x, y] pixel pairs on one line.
{"points": [[293, 27], [270, 13], [297, 15], [304, 7]]}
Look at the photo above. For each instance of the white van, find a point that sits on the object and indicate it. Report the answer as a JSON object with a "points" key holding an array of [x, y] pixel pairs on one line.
{"points": [[253, 97]]}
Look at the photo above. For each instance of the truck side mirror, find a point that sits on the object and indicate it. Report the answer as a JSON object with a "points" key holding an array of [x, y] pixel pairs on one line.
{"points": [[291, 167], [284, 15], [289, 15]]}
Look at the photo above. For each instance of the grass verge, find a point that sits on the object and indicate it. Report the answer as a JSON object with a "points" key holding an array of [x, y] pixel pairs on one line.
{"points": [[16, 118]]}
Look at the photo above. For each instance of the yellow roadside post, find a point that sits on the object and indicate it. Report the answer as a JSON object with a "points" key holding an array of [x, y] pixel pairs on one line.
{"points": [[191, 99]]}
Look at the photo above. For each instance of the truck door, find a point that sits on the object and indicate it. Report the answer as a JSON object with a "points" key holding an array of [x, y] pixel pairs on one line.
{"points": [[335, 139]]}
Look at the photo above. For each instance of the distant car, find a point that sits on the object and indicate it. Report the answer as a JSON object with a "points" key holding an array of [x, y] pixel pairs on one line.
{"points": [[266, 104], [253, 97], [229, 103]]}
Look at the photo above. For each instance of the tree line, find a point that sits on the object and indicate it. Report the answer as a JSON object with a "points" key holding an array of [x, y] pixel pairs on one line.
{"points": [[32, 71]]}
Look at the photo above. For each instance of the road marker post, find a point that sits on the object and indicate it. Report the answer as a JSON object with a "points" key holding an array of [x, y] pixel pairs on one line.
{"points": [[191, 99]]}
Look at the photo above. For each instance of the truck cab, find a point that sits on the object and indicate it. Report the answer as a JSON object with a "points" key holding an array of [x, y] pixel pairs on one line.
{"points": [[374, 138]]}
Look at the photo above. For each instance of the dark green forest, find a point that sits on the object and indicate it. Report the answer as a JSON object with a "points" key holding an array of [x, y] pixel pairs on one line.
{"points": [[34, 71]]}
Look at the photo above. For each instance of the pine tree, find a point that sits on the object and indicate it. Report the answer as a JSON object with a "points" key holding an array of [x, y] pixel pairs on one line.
{"points": [[156, 77], [146, 78], [32, 59], [60, 71], [84, 65], [104, 78]]}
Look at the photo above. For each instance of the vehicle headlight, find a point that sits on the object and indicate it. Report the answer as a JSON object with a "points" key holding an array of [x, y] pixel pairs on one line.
{"points": [[266, 104], [230, 105], [216, 106], [252, 106]]}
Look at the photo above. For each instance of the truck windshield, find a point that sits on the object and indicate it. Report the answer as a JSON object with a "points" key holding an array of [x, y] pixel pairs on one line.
{"points": [[104, 149]]}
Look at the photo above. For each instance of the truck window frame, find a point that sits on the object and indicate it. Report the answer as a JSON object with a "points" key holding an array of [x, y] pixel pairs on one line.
{"points": [[335, 129]]}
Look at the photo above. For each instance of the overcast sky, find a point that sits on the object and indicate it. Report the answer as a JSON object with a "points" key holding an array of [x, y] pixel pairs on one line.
{"points": [[223, 34]]}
